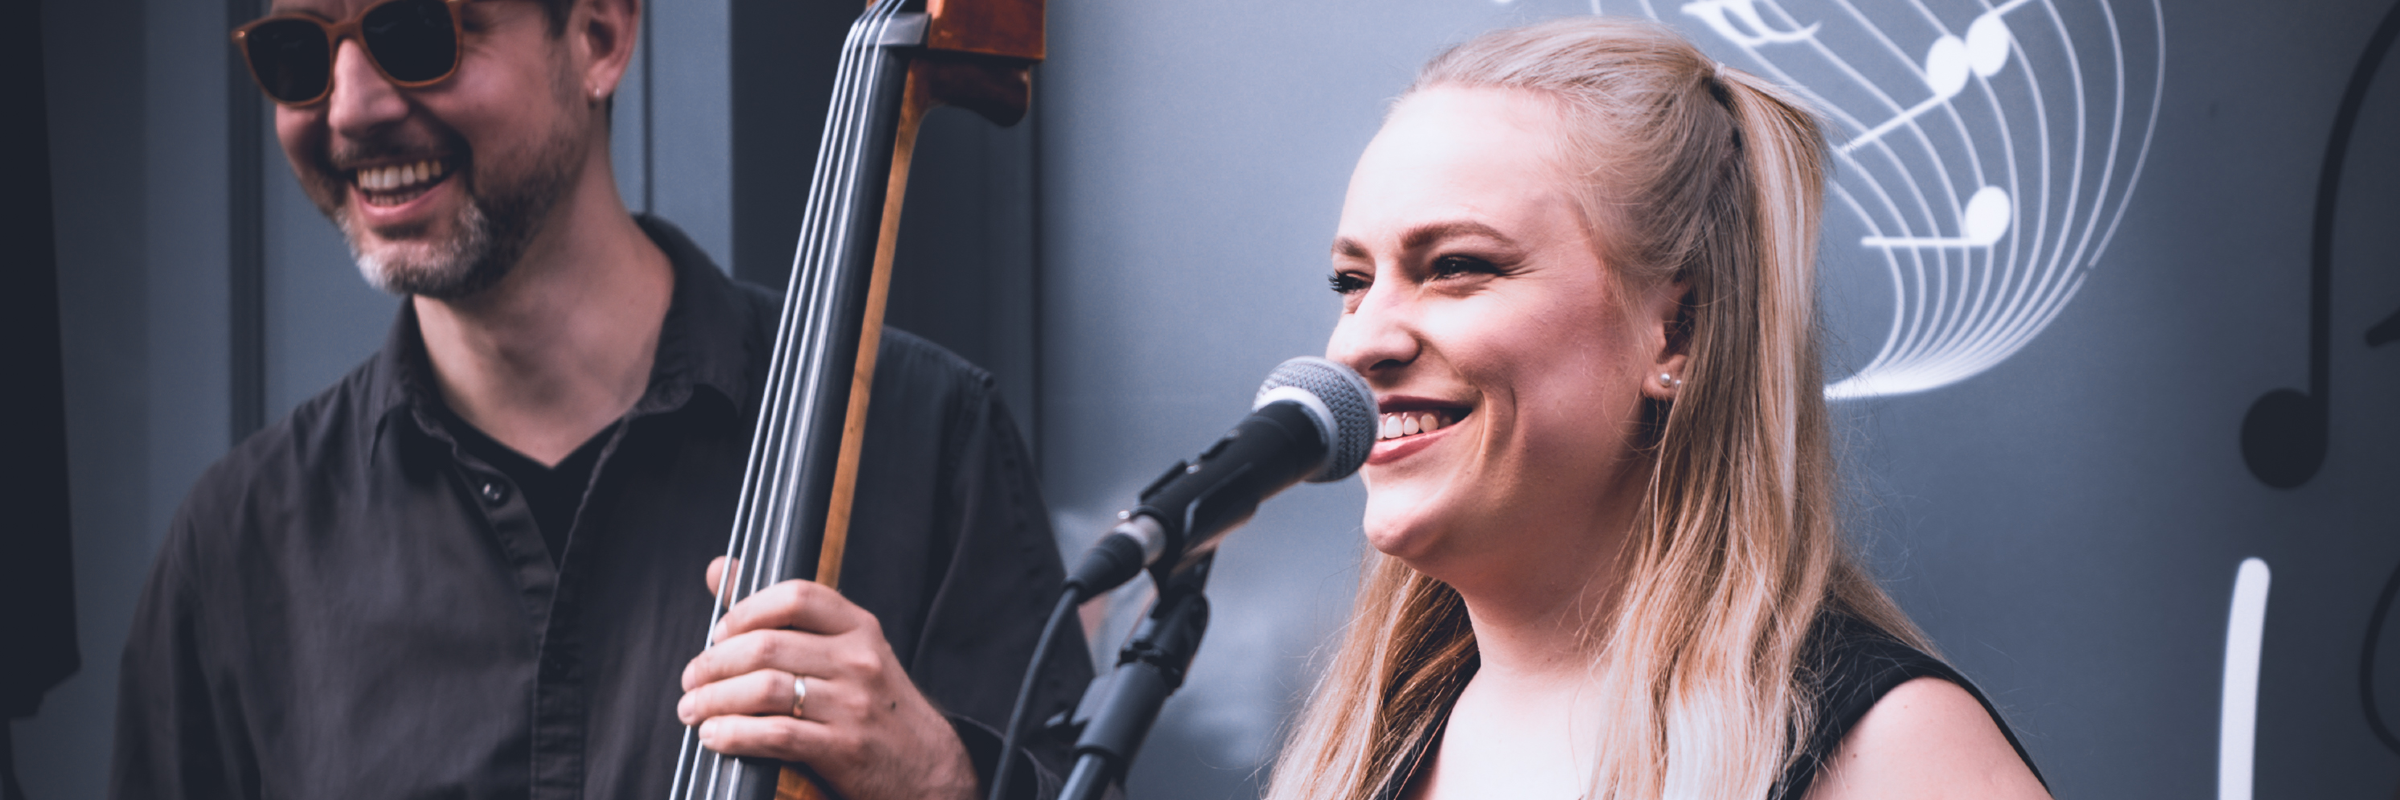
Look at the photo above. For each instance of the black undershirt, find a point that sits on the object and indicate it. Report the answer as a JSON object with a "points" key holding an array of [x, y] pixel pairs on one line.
{"points": [[554, 493]]}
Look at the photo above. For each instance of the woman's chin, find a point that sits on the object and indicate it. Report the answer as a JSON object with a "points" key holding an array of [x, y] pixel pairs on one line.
{"points": [[1404, 534]]}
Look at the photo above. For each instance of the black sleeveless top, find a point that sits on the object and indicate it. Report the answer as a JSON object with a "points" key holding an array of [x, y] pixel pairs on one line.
{"points": [[1854, 664], [1851, 664]]}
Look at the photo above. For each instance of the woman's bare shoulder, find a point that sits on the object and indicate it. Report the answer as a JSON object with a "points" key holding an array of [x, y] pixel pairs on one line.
{"points": [[1927, 738]]}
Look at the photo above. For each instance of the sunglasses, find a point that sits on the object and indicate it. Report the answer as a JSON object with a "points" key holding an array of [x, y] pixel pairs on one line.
{"points": [[412, 43]]}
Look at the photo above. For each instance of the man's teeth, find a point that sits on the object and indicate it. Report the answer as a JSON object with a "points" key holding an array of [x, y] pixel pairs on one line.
{"points": [[398, 177], [1410, 423]]}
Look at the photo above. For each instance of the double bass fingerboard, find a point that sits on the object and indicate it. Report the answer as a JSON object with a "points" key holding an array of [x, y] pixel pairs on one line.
{"points": [[789, 488]]}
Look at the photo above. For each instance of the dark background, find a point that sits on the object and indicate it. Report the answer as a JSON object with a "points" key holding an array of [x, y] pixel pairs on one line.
{"points": [[2065, 520]]}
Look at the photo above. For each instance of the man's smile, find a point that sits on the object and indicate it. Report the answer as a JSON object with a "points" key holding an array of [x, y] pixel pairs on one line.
{"points": [[393, 184]]}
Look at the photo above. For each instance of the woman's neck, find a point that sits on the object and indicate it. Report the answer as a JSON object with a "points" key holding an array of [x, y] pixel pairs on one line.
{"points": [[1527, 724], [1538, 632], [1539, 612]]}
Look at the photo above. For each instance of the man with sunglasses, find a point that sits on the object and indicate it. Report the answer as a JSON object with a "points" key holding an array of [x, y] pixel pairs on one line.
{"points": [[474, 567]]}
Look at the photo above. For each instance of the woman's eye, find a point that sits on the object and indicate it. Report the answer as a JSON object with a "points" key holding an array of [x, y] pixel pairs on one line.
{"points": [[1455, 266], [1345, 283]]}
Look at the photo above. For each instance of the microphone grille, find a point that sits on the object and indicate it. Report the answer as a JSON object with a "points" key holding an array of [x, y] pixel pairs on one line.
{"points": [[1344, 410]]}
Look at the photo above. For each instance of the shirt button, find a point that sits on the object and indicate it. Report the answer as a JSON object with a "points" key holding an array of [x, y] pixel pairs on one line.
{"points": [[494, 492]]}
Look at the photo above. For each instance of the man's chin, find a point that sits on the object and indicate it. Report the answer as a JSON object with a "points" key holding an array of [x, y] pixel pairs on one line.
{"points": [[409, 274], [426, 260]]}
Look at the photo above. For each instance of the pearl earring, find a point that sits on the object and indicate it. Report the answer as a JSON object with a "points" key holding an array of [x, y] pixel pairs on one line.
{"points": [[1669, 380]]}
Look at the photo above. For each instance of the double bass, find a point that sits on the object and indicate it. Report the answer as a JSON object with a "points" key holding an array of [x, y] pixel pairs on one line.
{"points": [[902, 58]]}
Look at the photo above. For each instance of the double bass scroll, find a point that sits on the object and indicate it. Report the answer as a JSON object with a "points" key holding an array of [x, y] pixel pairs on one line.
{"points": [[902, 58]]}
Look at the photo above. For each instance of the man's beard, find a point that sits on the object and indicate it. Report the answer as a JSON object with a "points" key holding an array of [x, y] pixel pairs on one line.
{"points": [[484, 240]]}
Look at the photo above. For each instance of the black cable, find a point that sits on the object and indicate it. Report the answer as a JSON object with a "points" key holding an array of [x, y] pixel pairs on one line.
{"points": [[1067, 601]]}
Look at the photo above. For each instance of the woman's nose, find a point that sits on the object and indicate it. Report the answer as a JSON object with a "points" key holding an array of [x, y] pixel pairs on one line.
{"points": [[1378, 337]]}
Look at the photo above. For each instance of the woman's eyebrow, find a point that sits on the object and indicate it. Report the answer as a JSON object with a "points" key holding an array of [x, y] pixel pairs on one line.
{"points": [[1426, 234], [1422, 235]]}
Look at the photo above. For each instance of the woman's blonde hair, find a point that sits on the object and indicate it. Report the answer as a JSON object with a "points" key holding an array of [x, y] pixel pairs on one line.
{"points": [[1705, 175]]}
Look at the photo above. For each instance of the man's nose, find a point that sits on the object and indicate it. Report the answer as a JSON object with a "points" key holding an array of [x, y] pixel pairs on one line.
{"points": [[361, 100], [1379, 337]]}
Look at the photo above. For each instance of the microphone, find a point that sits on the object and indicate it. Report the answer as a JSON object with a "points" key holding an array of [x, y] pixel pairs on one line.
{"points": [[1312, 420]]}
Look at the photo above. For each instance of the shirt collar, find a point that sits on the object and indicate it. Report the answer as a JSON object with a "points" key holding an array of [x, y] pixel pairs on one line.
{"points": [[708, 341], [710, 337]]}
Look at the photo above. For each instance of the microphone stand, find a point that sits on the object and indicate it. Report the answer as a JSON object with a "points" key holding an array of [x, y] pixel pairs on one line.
{"points": [[1149, 668]]}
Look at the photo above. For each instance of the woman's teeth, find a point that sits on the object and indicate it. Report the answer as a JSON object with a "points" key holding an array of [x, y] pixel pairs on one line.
{"points": [[1410, 423], [400, 177]]}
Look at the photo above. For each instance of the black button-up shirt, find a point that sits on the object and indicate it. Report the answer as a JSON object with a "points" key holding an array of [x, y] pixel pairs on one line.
{"points": [[352, 605]]}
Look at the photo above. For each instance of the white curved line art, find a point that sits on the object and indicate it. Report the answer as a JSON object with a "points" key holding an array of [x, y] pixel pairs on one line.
{"points": [[1987, 150], [2237, 726]]}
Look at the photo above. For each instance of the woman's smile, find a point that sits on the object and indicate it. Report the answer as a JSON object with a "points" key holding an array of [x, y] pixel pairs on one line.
{"points": [[1410, 425]]}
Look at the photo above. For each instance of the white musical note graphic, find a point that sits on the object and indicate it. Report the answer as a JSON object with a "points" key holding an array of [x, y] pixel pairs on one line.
{"points": [[1981, 225], [1714, 13], [1949, 63], [1991, 150]]}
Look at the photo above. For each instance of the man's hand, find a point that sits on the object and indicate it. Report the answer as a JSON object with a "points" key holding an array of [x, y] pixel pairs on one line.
{"points": [[864, 727]]}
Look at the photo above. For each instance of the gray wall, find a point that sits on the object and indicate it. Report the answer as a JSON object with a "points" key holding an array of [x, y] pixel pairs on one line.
{"points": [[2064, 510]]}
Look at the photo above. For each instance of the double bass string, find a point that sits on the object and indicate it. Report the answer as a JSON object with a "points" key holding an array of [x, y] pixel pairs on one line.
{"points": [[808, 282], [837, 189], [769, 456], [763, 514]]}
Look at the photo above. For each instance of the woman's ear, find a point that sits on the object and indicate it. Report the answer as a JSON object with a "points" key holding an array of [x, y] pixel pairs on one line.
{"points": [[1666, 319]]}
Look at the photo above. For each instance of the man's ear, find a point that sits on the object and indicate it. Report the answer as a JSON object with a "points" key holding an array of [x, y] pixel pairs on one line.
{"points": [[1666, 319], [601, 34]]}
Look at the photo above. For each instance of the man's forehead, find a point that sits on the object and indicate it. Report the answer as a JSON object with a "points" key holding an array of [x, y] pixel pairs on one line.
{"points": [[346, 9], [329, 9]]}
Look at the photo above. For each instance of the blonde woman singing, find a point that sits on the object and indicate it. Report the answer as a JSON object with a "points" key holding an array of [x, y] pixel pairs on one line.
{"points": [[1576, 265]]}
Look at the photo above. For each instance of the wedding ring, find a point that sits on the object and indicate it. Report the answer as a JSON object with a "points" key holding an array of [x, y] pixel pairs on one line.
{"points": [[799, 694]]}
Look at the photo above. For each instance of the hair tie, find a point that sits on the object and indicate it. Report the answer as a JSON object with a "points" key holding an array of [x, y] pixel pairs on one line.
{"points": [[1720, 86]]}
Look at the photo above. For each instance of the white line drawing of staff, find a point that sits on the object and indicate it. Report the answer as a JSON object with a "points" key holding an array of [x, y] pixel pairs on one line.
{"points": [[1982, 251]]}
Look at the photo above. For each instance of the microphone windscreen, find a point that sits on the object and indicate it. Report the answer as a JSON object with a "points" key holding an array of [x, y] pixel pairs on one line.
{"points": [[1338, 401]]}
